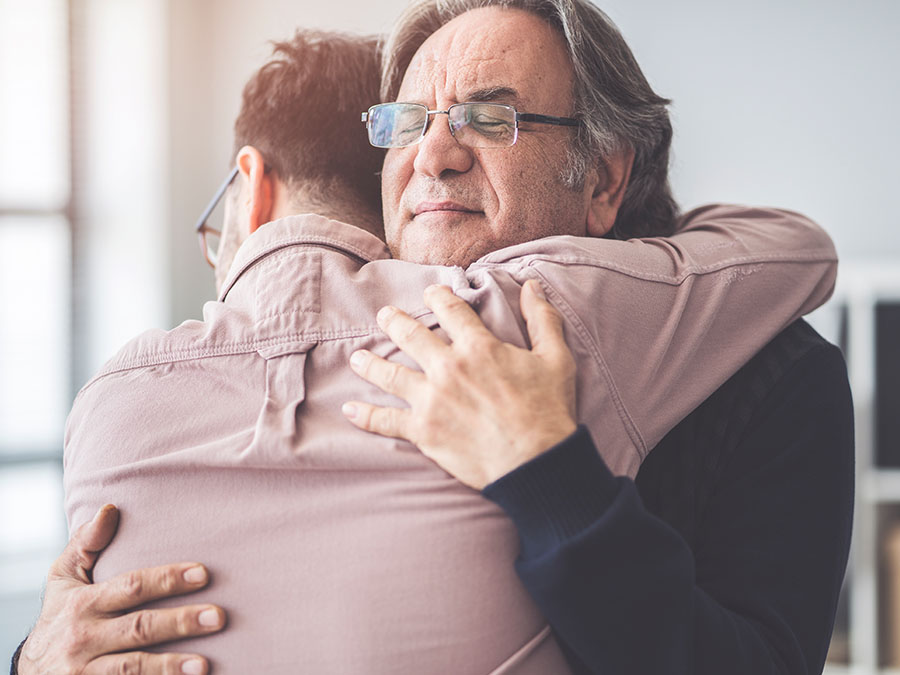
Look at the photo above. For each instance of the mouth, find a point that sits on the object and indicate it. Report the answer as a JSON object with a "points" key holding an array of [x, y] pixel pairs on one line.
{"points": [[442, 207]]}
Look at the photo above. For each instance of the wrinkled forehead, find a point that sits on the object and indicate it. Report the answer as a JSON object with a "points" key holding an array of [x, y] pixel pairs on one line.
{"points": [[492, 49]]}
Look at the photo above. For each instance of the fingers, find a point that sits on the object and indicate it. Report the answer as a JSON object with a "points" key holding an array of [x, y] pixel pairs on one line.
{"points": [[78, 558], [393, 422], [393, 378], [143, 663], [454, 314], [153, 626], [544, 323], [139, 586], [96, 535], [411, 336]]}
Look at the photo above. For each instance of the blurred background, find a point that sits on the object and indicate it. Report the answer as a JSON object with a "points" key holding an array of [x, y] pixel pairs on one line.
{"points": [[115, 128]]}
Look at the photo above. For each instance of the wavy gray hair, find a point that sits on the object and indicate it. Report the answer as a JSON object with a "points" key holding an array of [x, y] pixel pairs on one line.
{"points": [[618, 109]]}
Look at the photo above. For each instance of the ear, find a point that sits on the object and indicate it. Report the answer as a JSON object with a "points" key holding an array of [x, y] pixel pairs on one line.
{"points": [[608, 191], [259, 195]]}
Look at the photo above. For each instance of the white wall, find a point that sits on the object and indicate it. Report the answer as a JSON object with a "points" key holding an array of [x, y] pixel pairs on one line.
{"points": [[119, 135], [786, 103], [792, 104]]}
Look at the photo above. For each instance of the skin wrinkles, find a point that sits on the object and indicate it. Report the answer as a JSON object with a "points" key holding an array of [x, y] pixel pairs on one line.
{"points": [[516, 194]]}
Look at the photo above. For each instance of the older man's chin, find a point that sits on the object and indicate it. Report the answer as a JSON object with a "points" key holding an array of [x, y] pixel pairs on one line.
{"points": [[426, 241], [446, 253]]}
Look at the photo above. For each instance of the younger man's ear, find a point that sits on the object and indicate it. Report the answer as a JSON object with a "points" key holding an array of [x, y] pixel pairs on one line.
{"points": [[258, 198], [608, 192]]}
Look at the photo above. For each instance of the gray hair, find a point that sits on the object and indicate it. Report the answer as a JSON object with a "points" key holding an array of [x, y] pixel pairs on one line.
{"points": [[618, 109]]}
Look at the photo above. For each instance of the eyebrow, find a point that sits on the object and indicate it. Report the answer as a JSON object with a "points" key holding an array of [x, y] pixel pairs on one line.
{"points": [[506, 94]]}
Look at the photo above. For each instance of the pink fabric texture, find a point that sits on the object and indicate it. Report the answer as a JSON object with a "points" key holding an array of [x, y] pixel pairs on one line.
{"points": [[337, 551]]}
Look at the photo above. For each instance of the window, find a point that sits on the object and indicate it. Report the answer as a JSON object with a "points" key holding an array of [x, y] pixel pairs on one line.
{"points": [[35, 283]]}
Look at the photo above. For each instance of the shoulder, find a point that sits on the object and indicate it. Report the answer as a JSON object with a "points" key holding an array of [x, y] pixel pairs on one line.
{"points": [[788, 407], [152, 347], [224, 330], [797, 360]]}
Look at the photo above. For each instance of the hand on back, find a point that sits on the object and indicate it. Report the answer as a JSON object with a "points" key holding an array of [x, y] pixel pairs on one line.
{"points": [[90, 629]]}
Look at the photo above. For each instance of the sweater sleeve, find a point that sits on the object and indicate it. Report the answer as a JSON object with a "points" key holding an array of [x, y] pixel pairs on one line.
{"points": [[756, 594]]}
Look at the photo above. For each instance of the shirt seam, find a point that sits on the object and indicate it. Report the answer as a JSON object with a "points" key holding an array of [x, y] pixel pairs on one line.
{"points": [[813, 256], [340, 246], [584, 335], [316, 336], [230, 349]]}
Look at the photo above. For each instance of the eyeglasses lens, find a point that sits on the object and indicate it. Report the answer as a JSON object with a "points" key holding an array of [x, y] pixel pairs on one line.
{"points": [[213, 239], [483, 125], [476, 125], [396, 125]]}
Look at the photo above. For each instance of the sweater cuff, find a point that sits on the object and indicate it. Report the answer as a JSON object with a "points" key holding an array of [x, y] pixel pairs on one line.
{"points": [[557, 495]]}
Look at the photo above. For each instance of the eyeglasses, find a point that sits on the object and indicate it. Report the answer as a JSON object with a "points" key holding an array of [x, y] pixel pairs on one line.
{"points": [[210, 237], [475, 125]]}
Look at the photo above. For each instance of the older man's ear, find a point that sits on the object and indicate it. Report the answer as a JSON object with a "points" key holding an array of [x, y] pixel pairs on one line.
{"points": [[607, 184]]}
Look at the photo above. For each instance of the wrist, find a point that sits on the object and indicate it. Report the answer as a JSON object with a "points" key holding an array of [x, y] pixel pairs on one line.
{"points": [[529, 445], [557, 495]]}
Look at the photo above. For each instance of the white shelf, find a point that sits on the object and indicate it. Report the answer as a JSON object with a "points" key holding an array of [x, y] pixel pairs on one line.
{"points": [[832, 669], [860, 288], [881, 486], [879, 279]]}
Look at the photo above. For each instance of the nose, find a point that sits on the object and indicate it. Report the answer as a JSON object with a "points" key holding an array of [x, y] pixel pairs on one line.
{"points": [[440, 152]]}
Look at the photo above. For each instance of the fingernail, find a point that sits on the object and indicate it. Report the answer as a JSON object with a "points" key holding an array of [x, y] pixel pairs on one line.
{"points": [[384, 313], [103, 509], [195, 575], [357, 358], [536, 289], [192, 667], [349, 411], [209, 618]]}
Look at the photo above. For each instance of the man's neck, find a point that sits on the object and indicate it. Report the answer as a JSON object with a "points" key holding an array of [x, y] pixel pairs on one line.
{"points": [[341, 203]]}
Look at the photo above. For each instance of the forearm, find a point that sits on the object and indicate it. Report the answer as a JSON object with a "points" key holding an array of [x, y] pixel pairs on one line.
{"points": [[615, 584], [683, 314], [637, 608]]}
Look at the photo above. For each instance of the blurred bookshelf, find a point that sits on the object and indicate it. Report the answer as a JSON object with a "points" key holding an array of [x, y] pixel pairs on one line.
{"points": [[863, 317]]}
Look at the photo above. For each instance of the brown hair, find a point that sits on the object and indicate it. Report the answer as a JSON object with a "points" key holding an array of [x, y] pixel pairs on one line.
{"points": [[618, 109], [301, 110]]}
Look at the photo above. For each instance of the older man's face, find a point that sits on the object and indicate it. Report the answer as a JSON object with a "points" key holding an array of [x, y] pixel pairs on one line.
{"points": [[448, 204]]}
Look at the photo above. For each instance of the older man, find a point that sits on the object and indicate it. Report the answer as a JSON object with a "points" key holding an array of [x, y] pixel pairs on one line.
{"points": [[729, 555], [258, 450]]}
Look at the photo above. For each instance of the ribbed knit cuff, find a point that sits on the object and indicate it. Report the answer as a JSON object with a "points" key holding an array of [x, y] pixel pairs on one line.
{"points": [[556, 495]]}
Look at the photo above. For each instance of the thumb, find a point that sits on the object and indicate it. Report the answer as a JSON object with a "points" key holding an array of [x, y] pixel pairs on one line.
{"points": [[78, 558], [544, 323]]}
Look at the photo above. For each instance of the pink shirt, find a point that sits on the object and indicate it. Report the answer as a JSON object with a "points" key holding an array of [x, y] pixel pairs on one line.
{"points": [[337, 551]]}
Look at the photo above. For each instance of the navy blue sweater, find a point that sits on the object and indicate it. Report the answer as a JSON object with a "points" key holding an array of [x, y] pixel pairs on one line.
{"points": [[726, 554]]}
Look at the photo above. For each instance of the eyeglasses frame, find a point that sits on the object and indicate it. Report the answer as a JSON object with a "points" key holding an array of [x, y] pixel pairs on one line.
{"points": [[202, 228], [519, 117]]}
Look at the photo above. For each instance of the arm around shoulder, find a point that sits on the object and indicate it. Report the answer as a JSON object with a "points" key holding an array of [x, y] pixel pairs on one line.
{"points": [[683, 314]]}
